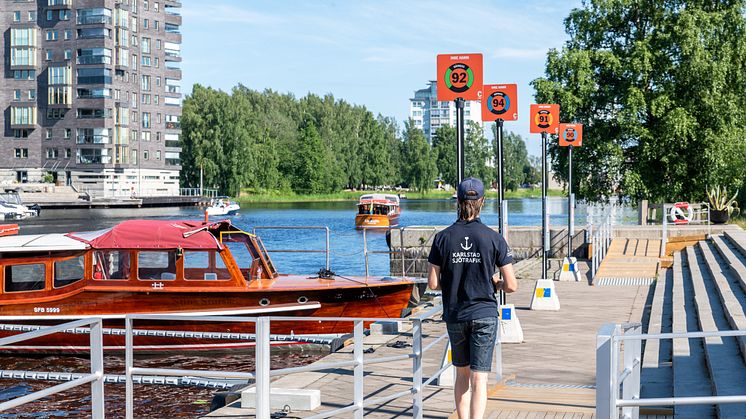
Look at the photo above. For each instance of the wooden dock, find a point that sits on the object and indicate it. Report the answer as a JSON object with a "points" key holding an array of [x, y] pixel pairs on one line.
{"points": [[552, 374], [630, 260]]}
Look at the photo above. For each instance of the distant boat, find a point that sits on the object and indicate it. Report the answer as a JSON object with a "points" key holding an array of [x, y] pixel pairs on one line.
{"points": [[222, 205], [378, 211], [12, 207]]}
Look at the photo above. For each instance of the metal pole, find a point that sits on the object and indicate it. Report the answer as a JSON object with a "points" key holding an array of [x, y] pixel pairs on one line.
{"points": [[605, 400], [262, 368], [200, 180], [500, 191], [327, 247], [357, 355], [97, 367], [417, 406], [545, 221], [569, 204], [401, 249], [128, 363], [460, 138], [365, 251]]}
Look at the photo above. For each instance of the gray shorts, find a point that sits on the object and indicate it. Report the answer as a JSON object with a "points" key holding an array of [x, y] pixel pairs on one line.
{"points": [[473, 343]]}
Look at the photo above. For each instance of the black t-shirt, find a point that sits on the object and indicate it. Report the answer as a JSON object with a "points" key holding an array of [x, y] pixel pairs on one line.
{"points": [[467, 253]]}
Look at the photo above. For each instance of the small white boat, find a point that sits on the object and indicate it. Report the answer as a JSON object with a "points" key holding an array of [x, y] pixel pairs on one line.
{"points": [[222, 205], [12, 208]]}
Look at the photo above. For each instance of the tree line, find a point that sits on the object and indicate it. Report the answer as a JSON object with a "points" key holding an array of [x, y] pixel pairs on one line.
{"points": [[267, 141], [661, 89]]}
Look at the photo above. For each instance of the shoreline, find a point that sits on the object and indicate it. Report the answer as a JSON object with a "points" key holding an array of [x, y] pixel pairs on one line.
{"points": [[353, 196]]}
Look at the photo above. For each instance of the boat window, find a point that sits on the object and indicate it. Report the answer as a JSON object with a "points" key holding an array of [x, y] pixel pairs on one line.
{"points": [[240, 253], [68, 271], [29, 277], [197, 266], [111, 264], [156, 265]]}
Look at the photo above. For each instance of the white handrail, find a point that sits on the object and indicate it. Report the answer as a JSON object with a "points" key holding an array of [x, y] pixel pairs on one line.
{"points": [[96, 377], [609, 380]]}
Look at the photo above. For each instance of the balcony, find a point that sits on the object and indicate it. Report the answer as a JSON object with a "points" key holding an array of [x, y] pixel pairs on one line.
{"points": [[59, 4], [92, 139], [93, 59], [173, 125]]}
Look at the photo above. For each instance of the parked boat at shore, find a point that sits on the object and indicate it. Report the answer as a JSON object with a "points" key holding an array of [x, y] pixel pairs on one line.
{"points": [[378, 211], [222, 205], [173, 268], [12, 207]]}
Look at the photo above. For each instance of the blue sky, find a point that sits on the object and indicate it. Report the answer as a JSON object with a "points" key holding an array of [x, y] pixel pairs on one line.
{"points": [[371, 53]]}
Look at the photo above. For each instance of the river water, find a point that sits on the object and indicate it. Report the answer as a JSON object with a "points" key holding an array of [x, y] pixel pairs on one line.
{"points": [[346, 259]]}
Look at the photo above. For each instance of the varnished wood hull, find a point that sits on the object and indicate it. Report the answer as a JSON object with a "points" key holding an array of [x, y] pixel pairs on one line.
{"points": [[386, 301], [376, 221]]}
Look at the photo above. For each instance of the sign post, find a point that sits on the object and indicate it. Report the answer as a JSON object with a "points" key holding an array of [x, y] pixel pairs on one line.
{"points": [[499, 104], [459, 79], [571, 135], [544, 120]]}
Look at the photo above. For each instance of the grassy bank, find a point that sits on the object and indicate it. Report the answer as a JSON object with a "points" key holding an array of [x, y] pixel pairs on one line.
{"points": [[249, 196]]}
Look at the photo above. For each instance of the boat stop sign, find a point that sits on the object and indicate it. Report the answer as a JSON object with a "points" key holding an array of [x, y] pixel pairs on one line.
{"points": [[571, 135], [500, 101], [459, 76], [544, 118]]}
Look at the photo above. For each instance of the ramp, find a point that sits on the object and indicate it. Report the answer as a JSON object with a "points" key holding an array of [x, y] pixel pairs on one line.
{"points": [[629, 262]]}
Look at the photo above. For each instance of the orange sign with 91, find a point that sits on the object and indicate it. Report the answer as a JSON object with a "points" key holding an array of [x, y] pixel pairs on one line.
{"points": [[545, 118]]}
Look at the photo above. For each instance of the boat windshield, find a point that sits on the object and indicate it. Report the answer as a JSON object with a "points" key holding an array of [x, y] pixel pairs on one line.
{"points": [[261, 265]]}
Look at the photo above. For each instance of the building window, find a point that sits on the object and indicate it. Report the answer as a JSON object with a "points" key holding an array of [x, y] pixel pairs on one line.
{"points": [[145, 46], [145, 83], [68, 34], [24, 74], [145, 23], [158, 118], [32, 94], [68, 153], [158, 154], [94, 75], [25, 115], [158, 137], [17, 16], [158, 81], [146, 99], [21, 153], [157, 62], [133, 135], [59, 75], [17, 94], [93, 156], [134, 100], [145, 5], [32, 16], [134, 62], [55, 113], [155, 7], [145, 155], [64, 14], [52, 153], [133, 159], [145, 61], [93, 33], [155, 25], [146, 119], [49, 134], [49, 55], [93, 16], [94, 56], [68, 54], [157, 44], [20, 133], [145, 136], [134, 26], [95, 113], [68, 133], [52, 35]]}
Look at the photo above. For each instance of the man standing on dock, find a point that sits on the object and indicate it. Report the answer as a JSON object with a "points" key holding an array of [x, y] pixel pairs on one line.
{"points": [[462, 263]]}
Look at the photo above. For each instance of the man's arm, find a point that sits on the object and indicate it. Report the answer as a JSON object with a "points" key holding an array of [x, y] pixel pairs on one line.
{"points": [[433, 277], [508, 282]]}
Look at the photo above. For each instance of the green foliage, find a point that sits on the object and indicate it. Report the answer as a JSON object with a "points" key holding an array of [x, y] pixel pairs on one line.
{"points": [[266, 141], [477, 153], [515, 159], [661, 89], [720, 200], [444, 148], [419, 170]]}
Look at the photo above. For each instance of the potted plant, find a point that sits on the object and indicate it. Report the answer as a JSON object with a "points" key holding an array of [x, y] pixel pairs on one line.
{"points": [[721, 207]]}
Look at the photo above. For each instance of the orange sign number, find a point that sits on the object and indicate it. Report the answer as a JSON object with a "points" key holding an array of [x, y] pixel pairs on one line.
{"points": [[544, 118], [459, 76], [571, 135], [500, 101]]}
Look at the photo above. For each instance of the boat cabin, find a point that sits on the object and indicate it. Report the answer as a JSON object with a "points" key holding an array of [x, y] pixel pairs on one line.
{"points": [[133, 255], [378, 204]]}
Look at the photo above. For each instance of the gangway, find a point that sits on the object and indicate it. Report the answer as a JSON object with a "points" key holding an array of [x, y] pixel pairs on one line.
{"points": [[629, 262]]}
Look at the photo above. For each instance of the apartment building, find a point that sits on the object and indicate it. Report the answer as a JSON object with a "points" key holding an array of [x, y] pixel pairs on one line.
{"points": [[428, 114], [91, 94]]}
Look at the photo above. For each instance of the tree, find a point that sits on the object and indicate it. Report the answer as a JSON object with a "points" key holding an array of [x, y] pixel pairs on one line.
{"points": [[310, 171], [420, 170], [661, 90], [477, 152], [444, 148], [515, 159]]}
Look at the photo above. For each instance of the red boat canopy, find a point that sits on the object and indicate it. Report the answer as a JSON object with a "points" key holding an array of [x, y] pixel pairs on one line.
{"points": [[156, 234]]}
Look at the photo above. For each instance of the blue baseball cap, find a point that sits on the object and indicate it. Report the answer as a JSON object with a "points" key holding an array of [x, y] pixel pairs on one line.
{"points": [[467, 185]]}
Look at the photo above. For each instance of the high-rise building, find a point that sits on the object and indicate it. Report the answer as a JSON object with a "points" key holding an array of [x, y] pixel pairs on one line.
{"points": [[428, 114], [91, 94]]}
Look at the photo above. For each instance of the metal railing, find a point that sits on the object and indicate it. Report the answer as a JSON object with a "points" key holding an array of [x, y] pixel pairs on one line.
{"points": [[601, 238], [96, 377], [700, 214], [206, 192], [610, 381], [404, 267], [263, 373], [326, 250]]}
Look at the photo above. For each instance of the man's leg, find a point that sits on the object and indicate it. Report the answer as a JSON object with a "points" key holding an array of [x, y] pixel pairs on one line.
{"points": [[462, 392], [478, 394]]}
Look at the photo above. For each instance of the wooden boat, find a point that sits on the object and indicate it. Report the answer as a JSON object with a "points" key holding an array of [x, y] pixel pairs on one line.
{"points": [[377, 211], [173, 267]]}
